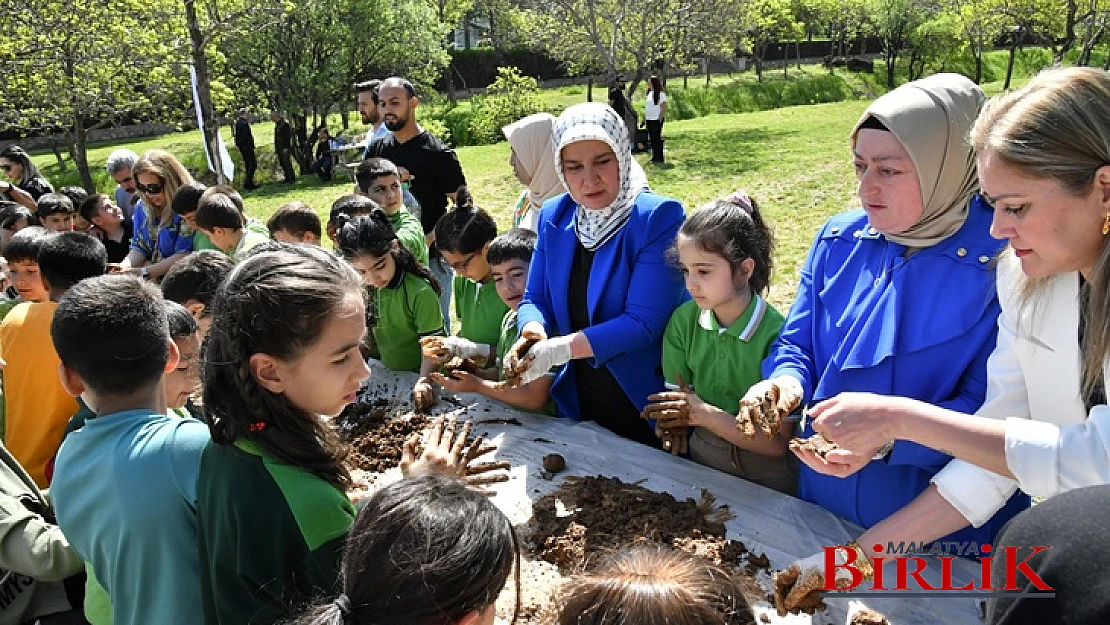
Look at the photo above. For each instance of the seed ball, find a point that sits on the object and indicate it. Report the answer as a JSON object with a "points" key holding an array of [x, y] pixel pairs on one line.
{"points": [[554, 463]]}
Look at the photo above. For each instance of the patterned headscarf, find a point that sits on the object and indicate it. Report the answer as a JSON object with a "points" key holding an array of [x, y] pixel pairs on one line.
{"points": [[597, 121]]}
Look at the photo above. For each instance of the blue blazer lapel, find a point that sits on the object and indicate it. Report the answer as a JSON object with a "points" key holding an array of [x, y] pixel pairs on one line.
{"points": [[602, 270], [562, 252]]}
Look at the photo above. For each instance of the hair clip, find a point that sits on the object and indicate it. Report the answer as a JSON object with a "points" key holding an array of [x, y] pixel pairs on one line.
{"points": [[741, 199], [256, 426]]}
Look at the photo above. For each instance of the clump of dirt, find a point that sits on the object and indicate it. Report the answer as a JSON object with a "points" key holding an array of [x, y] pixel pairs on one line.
{"points": [[376, 431], [868, 616], [589, 516], [509, 421]]}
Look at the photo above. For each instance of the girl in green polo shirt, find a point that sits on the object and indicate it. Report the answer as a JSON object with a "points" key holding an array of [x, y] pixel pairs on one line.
{"points": [[714, 345]]}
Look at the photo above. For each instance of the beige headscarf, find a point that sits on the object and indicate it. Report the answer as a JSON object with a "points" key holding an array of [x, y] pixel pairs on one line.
{"points": [[932, 117], [530, 138]]}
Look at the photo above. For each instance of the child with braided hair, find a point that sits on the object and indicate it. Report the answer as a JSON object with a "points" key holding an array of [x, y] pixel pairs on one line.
{"points": [[272, 512]]}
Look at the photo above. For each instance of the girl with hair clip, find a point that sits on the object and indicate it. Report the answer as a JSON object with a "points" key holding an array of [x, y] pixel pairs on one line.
{"points": [[406, 293], [425, 550], [463, 236], [714, 345], [282, 353], [649, 586]]}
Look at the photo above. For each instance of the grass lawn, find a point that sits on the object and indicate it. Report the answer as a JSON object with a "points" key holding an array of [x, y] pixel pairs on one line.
{"points": [[793, 161]]}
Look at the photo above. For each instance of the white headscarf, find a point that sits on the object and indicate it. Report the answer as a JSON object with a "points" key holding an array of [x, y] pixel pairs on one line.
{"points": [[530, 138], [596, 121]]}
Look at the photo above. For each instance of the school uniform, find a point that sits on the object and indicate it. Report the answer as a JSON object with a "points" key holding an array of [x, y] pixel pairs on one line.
{"points": [[270, 534], [247, 242], [408, 309], [509, 335], [720, 364], [411, 235], [479, 309]]}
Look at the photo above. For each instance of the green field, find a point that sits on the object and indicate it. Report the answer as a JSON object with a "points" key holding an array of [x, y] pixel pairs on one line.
{"points": [[794, 161]]}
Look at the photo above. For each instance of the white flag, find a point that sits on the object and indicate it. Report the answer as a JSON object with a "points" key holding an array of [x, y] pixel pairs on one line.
{"points": [[225, 157]]}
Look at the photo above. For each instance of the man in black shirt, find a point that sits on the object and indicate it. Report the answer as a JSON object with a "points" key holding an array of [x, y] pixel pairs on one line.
{"points": [[244, 140], [425, 162], [283, 145]]}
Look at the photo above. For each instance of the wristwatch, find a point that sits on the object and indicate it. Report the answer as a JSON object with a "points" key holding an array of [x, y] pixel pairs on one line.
{"points": [[144, 273]]}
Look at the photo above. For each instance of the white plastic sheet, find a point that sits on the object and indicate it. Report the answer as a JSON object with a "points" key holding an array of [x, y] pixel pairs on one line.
{"points": [[783, 527]]}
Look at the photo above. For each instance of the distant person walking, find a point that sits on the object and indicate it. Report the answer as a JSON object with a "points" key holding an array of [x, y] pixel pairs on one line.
{"points": [[655, 111], [244, 140], [283, 145]]}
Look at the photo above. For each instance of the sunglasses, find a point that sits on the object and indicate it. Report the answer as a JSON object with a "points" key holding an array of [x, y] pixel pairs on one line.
{"points": [[153, 189], [6, 167]]}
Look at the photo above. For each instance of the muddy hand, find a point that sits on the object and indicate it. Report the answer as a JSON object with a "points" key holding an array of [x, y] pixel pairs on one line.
{"points": [[766, 404], [423, 395]]}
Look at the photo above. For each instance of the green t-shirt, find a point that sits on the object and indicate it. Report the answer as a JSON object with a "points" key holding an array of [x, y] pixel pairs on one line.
{"points": [[249, 240], [719, 364], [202, 242], [411, 234], [509, 334], [407, 309], [480, 310]]}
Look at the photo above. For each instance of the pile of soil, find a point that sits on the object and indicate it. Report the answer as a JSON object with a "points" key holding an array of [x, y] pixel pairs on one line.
{"points": [[376, 431], [591, 516]]}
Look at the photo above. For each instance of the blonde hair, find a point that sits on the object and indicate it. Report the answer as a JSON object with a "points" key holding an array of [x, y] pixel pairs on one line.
{"points": [[652, 586], [1058, 127], [173, 176]]}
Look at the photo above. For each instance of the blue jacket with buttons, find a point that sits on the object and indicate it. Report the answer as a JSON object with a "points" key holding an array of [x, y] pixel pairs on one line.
{"points": [[632, 291], [869, 319]]}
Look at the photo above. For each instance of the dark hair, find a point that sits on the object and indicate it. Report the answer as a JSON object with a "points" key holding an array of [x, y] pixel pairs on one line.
{"points": [[734, 230], [181, 322], [66, 258], [277, 302], [77, 195], [52, 204], [19, 155], [651, 586], [465, 228], [873, 123], [90, 208], [374, 235], [89, 321], [516, 244], [220, 207], [372, 168], [187, 197], [371, 86], [397, 81], [11, 214], [25, 245], [656, 87], [296, 218], [198, 277], [426, 550], [352, 206]]}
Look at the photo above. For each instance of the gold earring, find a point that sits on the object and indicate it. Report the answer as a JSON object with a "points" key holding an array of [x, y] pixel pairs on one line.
{"points": [[1106, 225]]}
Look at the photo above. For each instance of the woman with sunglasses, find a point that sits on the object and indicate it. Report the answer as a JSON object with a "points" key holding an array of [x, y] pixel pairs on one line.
{"points": [[25, 184], [161, 238]]}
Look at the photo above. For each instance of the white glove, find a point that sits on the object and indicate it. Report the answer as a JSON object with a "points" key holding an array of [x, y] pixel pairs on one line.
{"points": [[797, 588], [544, 355], [444, 348]]}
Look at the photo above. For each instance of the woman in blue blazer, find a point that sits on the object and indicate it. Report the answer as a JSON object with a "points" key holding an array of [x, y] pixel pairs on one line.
{"points": [[600, 289]]}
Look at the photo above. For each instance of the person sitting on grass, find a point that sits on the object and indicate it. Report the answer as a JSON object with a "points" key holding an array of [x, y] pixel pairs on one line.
{"points": [[509, 257], [295, 222], [131, 454], [37, 404], [55, 212], [194, 282], [379, 180], [220, 217], [109, 225]]}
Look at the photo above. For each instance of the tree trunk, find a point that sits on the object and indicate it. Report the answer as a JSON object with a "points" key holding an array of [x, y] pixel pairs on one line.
{"points": [[80, 154], [1010, 64], [211, 128], [1069, 32], [977, 52], [891, 59], [708, 79], [798, 53], [58, 155], [452, 97], [590, 89], [302, 150]]}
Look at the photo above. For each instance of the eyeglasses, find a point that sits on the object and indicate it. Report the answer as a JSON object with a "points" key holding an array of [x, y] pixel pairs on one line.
{"points": [[153, 189], [6, 167], [462, 264]]}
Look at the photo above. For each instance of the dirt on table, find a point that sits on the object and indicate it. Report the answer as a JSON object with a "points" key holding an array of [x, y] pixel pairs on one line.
{"points": [[376, 431], [592, 516]]}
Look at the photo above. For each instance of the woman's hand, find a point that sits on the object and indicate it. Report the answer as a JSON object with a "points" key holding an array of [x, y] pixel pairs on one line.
{"points": [[767, 404], [462, 382], [836, 462], [542, 357], [860, 423]]}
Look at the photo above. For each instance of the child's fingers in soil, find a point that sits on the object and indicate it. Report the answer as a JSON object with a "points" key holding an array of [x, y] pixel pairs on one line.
{"points": [[486, 467]]}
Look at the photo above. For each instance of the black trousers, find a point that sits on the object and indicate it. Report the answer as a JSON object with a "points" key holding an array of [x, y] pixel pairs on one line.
{"points": [[286, 162], [655, 132], [251, 165]]}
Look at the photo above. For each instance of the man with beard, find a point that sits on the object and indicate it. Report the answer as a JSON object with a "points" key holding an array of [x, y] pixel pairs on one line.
{"points": [[366, 96], [119, 167], [424, 161]]}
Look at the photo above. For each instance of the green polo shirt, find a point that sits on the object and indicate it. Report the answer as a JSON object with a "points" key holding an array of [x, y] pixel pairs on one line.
{"points": [[248, 241], [480, 310], [720, 364], [202, 242], [509, 334], [411, 234], [408, 309]]}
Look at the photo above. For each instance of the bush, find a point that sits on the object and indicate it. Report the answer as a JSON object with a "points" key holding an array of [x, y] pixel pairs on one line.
{"points": [[509, 98]]}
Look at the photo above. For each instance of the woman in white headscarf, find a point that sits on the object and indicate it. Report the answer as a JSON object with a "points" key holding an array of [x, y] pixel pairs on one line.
{"points": [[600, 290]]}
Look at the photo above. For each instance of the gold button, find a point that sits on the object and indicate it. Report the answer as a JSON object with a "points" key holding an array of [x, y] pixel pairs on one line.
{"points": [[961, 252]]}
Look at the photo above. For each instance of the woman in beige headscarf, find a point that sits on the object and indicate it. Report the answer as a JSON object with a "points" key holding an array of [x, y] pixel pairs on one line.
{"points": [[896, 298], [533, 162]]}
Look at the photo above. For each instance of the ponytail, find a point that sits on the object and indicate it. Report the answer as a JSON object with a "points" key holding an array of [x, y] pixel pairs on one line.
{"points": [[466, 228]]}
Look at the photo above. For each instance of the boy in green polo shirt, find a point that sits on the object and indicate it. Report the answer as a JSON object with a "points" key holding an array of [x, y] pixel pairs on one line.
{"points": [[379, 180], [509, 257], [220, 217]]}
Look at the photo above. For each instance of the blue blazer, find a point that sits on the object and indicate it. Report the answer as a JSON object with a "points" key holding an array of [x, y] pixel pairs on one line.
{"points": [[868, 319], [631, 294]]}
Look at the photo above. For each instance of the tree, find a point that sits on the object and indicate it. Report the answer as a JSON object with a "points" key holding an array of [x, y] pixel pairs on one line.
{"points": [[74, 66], [980, 24], [767, 22], [894, 21]]}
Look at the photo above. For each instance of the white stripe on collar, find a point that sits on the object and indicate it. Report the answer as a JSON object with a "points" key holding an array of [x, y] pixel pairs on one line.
{"points": [[707, 320]]}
